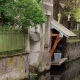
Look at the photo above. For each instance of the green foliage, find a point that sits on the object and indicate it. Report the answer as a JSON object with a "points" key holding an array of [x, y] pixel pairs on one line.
{"points": [[71, 8], [11, 52], [24, 13], [32, 76], [6, 11], [77, 14], [30, 12]]}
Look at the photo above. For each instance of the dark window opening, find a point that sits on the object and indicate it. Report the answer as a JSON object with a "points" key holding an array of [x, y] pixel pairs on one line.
{"points": [[61, 46]]}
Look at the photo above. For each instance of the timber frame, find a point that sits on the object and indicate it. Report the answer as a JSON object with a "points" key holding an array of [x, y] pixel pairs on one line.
{"points": [[58, 38], [55, 43], [59, 32]]}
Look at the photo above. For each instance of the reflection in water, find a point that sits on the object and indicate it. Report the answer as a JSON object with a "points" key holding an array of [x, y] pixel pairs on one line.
{"points": [[68, 71], [45, 76]]}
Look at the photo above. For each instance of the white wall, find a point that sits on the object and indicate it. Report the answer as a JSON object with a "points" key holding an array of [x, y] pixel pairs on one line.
{"points": [[34, 46]]}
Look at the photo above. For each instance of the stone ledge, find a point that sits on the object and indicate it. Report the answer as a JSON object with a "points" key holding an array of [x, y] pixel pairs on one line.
{"points": [[11, 55]]}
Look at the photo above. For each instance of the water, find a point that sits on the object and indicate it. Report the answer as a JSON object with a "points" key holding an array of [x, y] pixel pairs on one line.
{"points": [[68, 71]]}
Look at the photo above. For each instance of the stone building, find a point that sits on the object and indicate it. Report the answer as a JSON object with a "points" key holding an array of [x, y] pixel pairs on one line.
{"points": [[40, 40]]}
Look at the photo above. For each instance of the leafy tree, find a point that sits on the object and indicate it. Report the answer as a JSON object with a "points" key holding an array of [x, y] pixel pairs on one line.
{"points": [[69, 7], [56, 9], [76, 14], [66, 8], [6, 11], [24, 13]]}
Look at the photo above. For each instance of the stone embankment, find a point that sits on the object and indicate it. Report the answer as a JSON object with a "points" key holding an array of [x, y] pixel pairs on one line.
{"points": [[14, 67], [72, 50]]}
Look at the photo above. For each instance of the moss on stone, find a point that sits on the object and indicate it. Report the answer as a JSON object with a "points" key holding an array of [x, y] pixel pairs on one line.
{"points": [[74, 41]]}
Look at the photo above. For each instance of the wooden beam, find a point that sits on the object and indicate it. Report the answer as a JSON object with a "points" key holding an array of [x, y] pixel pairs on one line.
{"points": [[54, 46], [55, 35], [62, 60]]}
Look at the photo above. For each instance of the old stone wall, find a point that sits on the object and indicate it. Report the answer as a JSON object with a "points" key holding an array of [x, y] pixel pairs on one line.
{"points": [[72, 50], [14, 67], [41, 48], [42, 61]]}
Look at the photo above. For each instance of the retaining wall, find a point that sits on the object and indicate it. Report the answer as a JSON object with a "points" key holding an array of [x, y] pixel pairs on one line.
{"points": [[72, 50], [14, 67], [73, 69]]}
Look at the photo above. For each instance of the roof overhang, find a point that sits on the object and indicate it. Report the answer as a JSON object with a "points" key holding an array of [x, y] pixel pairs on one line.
{"points": [[63, 31]]}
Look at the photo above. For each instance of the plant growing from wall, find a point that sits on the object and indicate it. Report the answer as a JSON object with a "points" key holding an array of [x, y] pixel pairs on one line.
{"points": [[32, 76], [24, 13]]}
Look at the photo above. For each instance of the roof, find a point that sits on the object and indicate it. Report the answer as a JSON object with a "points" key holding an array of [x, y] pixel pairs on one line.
{"points": [[62, 30]]}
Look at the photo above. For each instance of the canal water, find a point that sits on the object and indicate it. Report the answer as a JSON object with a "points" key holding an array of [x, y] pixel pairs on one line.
{"points": [[68, 71]]}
